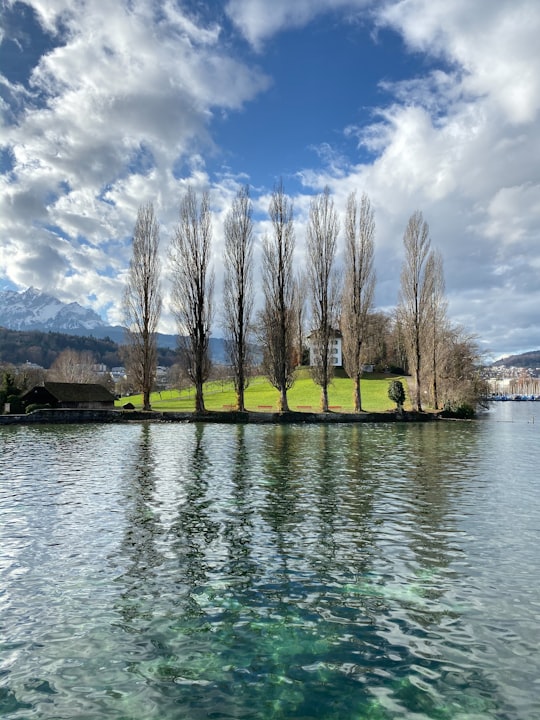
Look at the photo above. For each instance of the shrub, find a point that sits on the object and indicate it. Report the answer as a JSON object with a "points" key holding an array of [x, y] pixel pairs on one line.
{"points": [[396, 393], [461, 411], [36, 406]]}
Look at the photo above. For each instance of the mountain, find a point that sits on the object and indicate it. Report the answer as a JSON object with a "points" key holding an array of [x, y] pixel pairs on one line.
{"points": [[33, 310], [36, 310]]}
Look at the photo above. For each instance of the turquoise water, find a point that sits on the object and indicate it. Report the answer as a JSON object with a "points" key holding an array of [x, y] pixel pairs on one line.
{"points": [[341, 572]]}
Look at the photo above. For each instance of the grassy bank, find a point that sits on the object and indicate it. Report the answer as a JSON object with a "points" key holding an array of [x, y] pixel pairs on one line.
{"points": [[304, 396]]}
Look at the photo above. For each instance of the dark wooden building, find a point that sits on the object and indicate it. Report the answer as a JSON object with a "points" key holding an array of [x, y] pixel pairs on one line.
{"points": [[90, 396]]}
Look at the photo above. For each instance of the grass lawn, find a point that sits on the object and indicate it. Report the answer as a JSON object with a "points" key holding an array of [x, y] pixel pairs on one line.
{"points": [[304, 395]]}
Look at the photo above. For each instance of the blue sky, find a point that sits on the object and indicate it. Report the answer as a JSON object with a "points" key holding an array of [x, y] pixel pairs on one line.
{"points": [[423, 104]]}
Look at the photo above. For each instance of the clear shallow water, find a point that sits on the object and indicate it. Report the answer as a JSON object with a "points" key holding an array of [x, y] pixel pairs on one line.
{"points": [[344, 572]]}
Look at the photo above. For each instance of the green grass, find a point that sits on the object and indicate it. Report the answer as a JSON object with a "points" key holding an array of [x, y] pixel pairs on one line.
{"points": [[305, 395]]}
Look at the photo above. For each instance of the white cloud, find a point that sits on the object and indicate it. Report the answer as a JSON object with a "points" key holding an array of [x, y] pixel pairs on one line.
{"points": [[513, 216], [494, 43], [129, 93], [258, 22], [461, 145]]}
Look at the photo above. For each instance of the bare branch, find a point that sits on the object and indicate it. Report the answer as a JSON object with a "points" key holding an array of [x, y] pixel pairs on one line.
{"points": [[238, 289], [322, 232], [142, 303], [278, 286], [359, 287], [192, 287], [415, 292]]}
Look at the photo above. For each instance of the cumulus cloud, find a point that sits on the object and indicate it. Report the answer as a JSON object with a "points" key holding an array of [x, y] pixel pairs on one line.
{"points": [[257, 23], [460, 143], [493, 44], [128, 91], [120, 110]]}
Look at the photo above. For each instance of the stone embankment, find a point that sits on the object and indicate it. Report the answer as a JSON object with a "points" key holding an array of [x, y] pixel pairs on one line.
{"points": [[65, 416]]}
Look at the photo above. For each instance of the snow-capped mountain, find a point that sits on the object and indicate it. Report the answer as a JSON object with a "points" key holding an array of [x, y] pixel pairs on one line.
{"points": [[36, 310]]}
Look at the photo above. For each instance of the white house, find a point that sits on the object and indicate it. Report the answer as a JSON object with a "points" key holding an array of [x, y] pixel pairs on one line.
{"points": [[335, 348]]}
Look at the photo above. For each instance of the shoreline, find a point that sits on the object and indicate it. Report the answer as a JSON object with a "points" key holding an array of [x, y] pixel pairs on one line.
{"points": [[229, 417]]}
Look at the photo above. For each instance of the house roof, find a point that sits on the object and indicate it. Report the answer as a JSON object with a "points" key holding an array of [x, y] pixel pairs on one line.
{"points": [[79, 392]]}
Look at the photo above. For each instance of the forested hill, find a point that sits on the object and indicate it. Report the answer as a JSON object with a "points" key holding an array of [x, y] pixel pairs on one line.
{"points": [[526, 360], [21, 346]]}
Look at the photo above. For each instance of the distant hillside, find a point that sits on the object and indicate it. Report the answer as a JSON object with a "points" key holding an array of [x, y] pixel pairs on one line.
{"points": [[20, 346], [529, 359], [42, 348]]}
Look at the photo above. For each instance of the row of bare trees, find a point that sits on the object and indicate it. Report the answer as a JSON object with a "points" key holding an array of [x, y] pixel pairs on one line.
{"points": [[420, 329], [441, 357]]}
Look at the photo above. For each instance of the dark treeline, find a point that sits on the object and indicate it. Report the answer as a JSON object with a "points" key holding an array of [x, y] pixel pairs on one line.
{"points": [[43, 348]]}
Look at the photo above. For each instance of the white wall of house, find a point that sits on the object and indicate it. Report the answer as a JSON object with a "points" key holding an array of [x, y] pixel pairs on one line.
{"points": [[335, 352]]}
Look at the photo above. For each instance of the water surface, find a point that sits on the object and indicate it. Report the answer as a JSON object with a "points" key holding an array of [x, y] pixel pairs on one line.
{"points": [[347, 572]]}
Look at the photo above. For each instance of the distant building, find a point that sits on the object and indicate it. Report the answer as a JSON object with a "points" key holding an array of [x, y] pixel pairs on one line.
{"points": [[70, 395], [118, 373], [336, 357]]}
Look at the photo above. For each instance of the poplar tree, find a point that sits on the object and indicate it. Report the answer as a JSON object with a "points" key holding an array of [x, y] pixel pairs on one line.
{"points": [[192, 287], [142, 303], [359, 287], [437, 324], [276, 319], [415, 293], [299, 307], [238, 289], [322, 232]]}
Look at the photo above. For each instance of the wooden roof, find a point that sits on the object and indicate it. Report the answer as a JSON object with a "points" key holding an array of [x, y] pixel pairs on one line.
{"points": [[79, 392]]}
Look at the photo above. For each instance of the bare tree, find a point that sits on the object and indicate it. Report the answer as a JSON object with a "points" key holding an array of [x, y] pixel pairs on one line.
{"points": [[276, 318], [238, 289], [27, 376], [74, 367], [397, 347], [377, 342], [299, 307], [322, 232], [415, 293], [359, 287], [142, 303], [461, 381], [437, 321], [192, 287]]}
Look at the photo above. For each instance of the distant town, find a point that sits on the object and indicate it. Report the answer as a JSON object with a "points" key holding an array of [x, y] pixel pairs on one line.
{"points": [[513, 383]]}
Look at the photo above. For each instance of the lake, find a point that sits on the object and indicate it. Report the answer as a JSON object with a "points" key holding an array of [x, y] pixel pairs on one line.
{"points": [[344, 572]]}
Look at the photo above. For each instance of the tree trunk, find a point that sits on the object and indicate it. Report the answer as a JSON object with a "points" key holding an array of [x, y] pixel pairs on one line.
{"points": [[199, 398], [146, 400], [418, 390], [324, 398], [357, 396], [283, 402], [241, 377], [240, 403]]}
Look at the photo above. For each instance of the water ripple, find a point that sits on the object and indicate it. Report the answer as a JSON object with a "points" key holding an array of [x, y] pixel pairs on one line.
{"points": [[343, 572]]}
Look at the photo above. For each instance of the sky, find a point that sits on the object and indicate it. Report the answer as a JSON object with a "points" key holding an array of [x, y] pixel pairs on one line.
{"points": [[430, 105]]}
